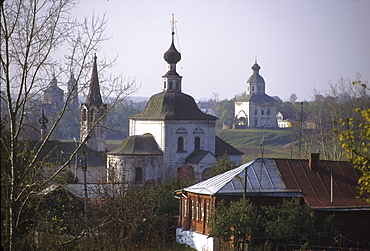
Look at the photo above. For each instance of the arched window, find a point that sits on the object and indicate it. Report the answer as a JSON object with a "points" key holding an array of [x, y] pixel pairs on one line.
{"points": [[138, 174], [252, 88], [255, 111], [197, 144], [180, 144], [84, 114]]}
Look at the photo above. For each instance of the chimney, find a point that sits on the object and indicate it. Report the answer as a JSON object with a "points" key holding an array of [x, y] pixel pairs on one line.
{"points": [[313, 163]]}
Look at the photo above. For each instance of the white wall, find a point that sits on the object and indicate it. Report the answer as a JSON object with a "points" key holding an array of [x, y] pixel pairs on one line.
{"points": [[196, 240]]}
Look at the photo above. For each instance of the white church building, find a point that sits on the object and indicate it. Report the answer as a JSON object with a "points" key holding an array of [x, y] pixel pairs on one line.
{"points": [[255, 109], [171, 137]]}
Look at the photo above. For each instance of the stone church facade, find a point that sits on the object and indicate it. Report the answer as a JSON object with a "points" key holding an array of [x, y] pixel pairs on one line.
{"points": [[255, 109]]}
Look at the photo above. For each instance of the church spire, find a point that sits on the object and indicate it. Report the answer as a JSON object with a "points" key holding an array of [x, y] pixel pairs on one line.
{"points": [[43, 121], [94, 96]]}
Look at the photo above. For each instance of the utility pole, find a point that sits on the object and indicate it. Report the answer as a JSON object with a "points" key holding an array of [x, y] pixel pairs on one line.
{"points": [[300, 132], [84, 170]]}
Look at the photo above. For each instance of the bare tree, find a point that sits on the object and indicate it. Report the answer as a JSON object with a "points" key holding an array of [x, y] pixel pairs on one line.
{"points": [[33, 36]]}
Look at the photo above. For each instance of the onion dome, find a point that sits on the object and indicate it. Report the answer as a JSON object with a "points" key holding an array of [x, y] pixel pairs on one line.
{"points": [[255, 77], [172, 56]]}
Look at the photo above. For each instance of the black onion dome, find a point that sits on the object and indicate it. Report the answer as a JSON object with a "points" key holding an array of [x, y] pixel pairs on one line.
{"points": [[256, 67], [172, 106], [255, 77], [172, 56]]}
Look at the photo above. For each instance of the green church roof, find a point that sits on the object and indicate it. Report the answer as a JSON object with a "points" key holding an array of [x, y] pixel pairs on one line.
{"points": [[168, 105], [138, 145]]}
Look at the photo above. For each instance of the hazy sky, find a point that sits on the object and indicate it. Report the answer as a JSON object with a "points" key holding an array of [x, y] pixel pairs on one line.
{"points": [[300, 44]]}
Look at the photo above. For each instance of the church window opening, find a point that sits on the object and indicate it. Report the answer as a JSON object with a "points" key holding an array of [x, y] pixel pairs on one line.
{"points": [[262, 112], [84, 115], [180, 144], [255, 111], [164, 84], [259, 88], [255, 122], [268, 111], [252, 88], [197, 143], [138, 174], [169, 84]]}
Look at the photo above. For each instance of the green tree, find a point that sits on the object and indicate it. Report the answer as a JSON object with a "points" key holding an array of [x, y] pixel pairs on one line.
{"points": [[293, 222], [34, 35], [356, 142], [221, 165], [225, 112], [237, 222]]}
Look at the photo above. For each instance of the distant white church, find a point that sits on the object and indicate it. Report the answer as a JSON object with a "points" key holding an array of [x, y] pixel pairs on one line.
{"points": [[256, 108]]}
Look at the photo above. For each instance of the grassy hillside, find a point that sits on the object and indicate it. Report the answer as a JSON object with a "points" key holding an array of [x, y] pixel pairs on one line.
{"points": [[278, 142]]}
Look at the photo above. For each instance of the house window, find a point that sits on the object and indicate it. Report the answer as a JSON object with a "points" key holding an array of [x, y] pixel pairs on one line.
{"points": [[201, 211], [207, 212], [180, 144], [185, 207], [192, 210], [197, 211], [197, 144], [138, 174]]}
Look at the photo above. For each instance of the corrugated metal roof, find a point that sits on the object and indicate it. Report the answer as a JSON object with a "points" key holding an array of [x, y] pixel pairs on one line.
{"points": [[316, 184], [262, 177]]}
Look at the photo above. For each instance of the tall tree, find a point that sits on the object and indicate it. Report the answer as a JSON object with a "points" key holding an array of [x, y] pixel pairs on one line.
{"points": [[33, 36], [355, 140]]}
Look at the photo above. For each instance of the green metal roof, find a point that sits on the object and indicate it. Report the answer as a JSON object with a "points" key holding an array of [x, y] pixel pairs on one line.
{"points": [[257, 98], [138, 145], [223, 147], [169, 105]]}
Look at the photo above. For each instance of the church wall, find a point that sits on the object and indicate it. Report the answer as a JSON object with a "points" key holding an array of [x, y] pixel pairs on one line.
{"points": [[188, 130], [122, 168], [154, 127]]}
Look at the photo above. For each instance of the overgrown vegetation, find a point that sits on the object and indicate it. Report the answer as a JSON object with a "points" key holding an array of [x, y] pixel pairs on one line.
{"points": [[291, 222]]}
